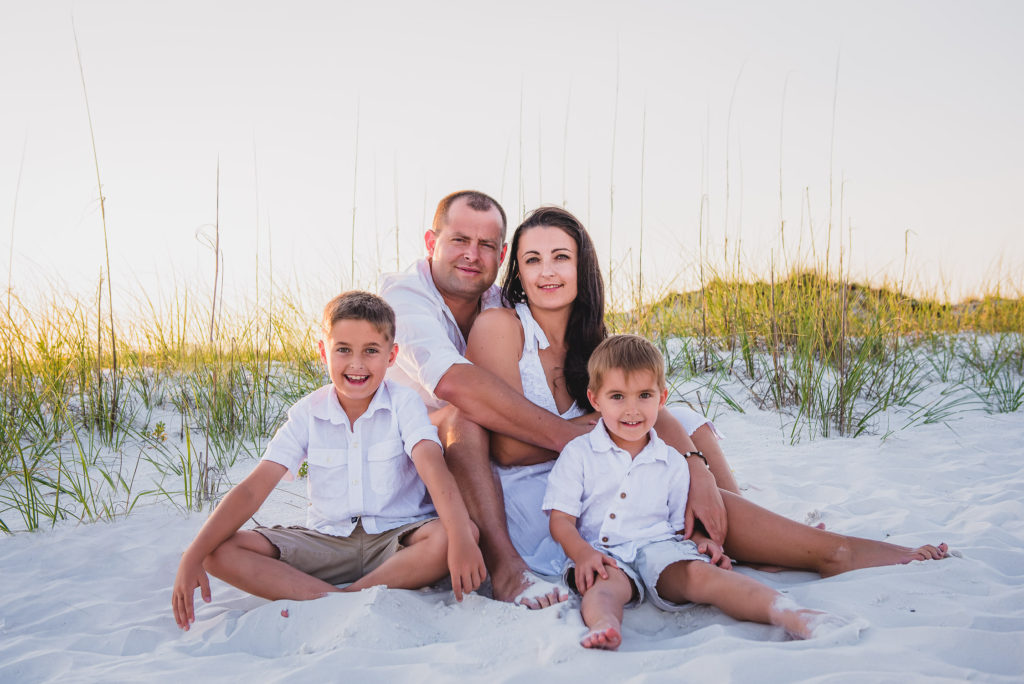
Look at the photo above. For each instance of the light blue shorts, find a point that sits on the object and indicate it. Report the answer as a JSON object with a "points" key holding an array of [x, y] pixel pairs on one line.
{"points": [[645, 570]]}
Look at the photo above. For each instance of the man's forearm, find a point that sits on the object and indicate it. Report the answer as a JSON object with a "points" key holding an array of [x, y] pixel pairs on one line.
{"points": [[490, 402]]}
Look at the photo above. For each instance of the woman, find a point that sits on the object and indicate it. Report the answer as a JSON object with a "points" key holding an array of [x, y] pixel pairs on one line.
{"points": [[542, 347]]}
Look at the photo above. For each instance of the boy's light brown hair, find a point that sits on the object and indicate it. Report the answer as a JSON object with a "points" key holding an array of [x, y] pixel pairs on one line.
{"points": [[356, 305], [628, 353]]}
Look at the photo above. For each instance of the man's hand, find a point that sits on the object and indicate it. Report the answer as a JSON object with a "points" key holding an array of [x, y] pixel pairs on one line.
{"points": [[705, 503], [190, 575], [466, 565], [589, 565]]}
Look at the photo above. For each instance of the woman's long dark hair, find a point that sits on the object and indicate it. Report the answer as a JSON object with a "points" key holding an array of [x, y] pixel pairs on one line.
{"points": [[586, 326]]}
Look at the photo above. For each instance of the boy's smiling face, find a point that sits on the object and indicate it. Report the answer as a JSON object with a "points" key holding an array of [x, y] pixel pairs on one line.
{"points": [[629, 405], [357, 356]]}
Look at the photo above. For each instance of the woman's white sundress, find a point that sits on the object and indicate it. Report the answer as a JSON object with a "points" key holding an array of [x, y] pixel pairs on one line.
{"points": [[524, 486]]}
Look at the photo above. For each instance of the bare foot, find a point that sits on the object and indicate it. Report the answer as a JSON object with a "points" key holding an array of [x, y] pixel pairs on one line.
{"points": [[802, 623], [606, 635], [522, 587], [539, 593], [929, 552], [863, 553]]}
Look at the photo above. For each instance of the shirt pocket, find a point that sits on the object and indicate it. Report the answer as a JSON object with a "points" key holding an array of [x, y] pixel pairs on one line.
{"points": [[387, 462], [328, 480]]}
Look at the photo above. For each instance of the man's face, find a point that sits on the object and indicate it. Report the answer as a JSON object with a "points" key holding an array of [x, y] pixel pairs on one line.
{"points": [[465, 254]]}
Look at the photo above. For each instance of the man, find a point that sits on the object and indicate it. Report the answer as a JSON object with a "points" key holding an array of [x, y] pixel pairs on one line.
{"points": [[436, 303]]}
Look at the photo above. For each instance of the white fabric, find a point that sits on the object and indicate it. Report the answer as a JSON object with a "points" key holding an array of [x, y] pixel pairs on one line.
{"points": [[429, 339], [361, 471], [645, 570], [523, 486], [620, 502], [691, 420], [652, 559]]}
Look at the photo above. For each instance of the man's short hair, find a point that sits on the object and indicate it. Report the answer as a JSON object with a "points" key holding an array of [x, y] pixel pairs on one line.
{"points": [[628, 353], [356, 305], [477, 201]]}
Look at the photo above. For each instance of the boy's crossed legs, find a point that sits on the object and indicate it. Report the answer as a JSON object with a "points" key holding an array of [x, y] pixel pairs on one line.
{"points": [[250, 561]]}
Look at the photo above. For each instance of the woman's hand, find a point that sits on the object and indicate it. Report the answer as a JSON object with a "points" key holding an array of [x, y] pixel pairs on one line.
{"points": [[704, 503]]}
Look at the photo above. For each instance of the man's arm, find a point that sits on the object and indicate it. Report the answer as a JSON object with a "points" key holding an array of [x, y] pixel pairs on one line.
{"points": [[487, 400], [490, 393]]}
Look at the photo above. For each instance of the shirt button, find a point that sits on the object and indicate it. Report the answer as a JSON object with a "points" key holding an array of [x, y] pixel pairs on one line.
{"points": [[622, 495], [612, 516], [604, 539]]}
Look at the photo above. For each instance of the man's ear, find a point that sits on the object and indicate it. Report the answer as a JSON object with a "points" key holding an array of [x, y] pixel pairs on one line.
{"points": [[430, 239], [394, 355], [501, 259]]}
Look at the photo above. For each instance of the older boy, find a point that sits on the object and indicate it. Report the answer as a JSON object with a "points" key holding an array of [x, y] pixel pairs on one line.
{"points": [[371, 450], [617, 498]]}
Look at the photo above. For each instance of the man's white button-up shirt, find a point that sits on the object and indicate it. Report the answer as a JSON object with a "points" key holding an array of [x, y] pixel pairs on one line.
{"points": [[357, 471], [620, 503], [428, 337]]}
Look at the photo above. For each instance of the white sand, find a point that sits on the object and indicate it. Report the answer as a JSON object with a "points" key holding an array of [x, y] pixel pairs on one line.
{"points": [[92, 602]]}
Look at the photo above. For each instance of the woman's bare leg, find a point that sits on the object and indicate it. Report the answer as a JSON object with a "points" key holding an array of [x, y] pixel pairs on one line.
{"points": [[756, 535]]}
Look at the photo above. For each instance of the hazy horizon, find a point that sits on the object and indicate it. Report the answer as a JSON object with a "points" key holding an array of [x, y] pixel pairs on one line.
{"points": [[889, 122]]}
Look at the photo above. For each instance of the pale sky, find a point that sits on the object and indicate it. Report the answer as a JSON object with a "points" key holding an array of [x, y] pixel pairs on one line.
{"points": [[532, 102]]}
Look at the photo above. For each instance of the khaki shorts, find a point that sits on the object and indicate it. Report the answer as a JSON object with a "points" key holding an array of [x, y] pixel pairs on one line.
{"points": [[337, 560]]}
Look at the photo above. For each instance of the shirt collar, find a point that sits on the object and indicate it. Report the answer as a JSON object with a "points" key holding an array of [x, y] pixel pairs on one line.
{"points": [[328, 407], [490, 299], [655, 450]]}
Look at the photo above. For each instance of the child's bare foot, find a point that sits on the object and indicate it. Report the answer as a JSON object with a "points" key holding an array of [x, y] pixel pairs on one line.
{"points": [[929, 552], [802, 623], [606, 635]]}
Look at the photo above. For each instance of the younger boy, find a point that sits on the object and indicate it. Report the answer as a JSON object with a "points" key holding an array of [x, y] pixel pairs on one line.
{"points": [[617, 497], [370, 449]]}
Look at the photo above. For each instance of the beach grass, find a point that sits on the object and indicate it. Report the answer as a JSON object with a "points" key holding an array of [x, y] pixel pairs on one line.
{"points": [[831, 357]]}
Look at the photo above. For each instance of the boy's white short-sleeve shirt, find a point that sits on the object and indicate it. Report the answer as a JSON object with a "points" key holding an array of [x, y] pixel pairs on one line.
{"points": [[620, 503], [361, 471], [428, 337]]}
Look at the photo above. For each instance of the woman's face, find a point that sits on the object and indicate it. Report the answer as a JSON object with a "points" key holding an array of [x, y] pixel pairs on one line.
{"points": [[547, 267]]}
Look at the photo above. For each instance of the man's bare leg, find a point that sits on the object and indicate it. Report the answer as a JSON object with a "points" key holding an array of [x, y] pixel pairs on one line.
{"points": [[467, 453]]}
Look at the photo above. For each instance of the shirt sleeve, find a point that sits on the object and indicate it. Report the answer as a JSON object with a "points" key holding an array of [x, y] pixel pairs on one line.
{"points": [[425, 352], [565, 481], [291, 441], [414, 424], [678, 488]]}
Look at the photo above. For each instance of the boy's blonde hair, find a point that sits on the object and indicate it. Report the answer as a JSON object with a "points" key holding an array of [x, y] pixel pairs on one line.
{"points": [[356, 305], [628, 353]]}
